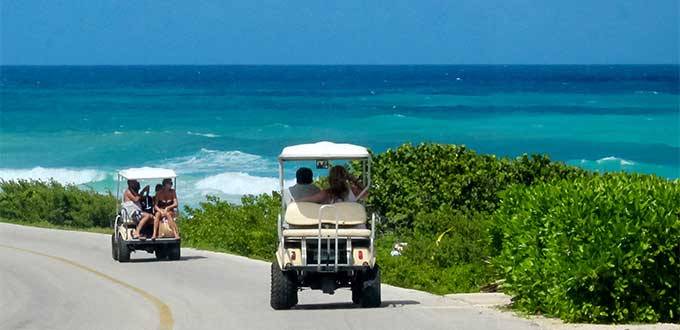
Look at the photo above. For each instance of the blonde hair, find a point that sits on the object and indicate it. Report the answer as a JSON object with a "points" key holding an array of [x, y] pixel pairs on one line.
{"points": [[337, 180]]}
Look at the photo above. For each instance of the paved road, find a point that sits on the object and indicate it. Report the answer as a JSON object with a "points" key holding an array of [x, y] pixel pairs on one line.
{"points": [[51, 279]]}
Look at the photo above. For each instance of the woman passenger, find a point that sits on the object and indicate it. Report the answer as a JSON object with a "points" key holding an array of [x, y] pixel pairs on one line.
{"points": [[343, 187], [165, 204], [134, 196]]}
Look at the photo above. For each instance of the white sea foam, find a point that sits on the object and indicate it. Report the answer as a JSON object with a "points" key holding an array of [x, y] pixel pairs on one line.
{"points": [[613, 159], [117, 132], [238, 183], [208, 135], [62, 175], [216, 161]]}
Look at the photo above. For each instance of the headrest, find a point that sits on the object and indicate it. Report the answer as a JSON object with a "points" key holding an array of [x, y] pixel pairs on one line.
{"points": [[306, 214]]}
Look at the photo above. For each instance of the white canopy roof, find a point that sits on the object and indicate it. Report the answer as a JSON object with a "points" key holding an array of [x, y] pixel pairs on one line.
{"points": [[139, 173], [324, 150]]}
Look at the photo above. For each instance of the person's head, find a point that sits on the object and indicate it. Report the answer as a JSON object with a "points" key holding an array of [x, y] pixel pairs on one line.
{"points": [[133, 185], [167, 184], [304, 175], [337, 181], [159, 187]]}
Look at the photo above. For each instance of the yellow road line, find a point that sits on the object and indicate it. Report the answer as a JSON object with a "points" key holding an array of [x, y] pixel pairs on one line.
{"points": [[164, 312]]}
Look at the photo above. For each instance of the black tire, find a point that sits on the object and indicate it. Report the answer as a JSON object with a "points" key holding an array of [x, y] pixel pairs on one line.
{"points": [[283, 288], [123, 250], [370, 293], [114, 248], [173, 251], [161, 252], [357, 285]]}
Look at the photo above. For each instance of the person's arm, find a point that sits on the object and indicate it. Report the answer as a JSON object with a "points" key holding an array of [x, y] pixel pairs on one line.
{"points": [[357, 189], [155, 204], [130, 196], [319, 197]]}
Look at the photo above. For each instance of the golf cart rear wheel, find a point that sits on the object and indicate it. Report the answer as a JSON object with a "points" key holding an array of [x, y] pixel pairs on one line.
{"points": [[123, 250], [370, 292], [114, 248], [357, 285], [161, 252], [174, 252], [283, 288]]}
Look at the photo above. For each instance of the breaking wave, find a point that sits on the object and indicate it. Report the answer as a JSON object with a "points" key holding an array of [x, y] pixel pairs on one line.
{"points": [[208, 135], [614, 160], [216, 161], [238, 183], [61, 175]]}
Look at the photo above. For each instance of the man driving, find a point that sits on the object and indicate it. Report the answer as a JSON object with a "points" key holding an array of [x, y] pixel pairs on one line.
{"points": [[303, 188]]}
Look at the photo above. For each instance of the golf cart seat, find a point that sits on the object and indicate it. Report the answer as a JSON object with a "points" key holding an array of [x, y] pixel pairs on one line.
{"points": [[303, 219], [306, 214], [327, 232]]}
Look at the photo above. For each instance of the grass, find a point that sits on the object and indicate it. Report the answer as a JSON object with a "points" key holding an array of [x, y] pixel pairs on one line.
{"points": [[45, 224]]}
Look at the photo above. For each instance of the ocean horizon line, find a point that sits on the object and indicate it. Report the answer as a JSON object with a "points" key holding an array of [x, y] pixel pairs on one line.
{"points": [[354, 65]]}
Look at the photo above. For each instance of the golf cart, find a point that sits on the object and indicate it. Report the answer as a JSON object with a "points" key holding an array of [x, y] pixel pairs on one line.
{"points": [[165, 246], [325, 247]]}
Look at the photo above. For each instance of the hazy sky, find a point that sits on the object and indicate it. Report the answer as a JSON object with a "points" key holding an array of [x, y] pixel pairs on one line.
{"points": [[339, 32]]}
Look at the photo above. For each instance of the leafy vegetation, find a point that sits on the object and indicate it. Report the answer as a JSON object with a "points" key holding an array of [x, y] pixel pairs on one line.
{"points": [[448, 251], [415, 179], [567, 243], [248, 229], [598, 249], [66, 206]]}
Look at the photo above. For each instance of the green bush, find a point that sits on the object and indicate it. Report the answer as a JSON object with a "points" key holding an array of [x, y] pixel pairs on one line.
{"points": [[413, 179], [448, 251], [598, 249], [248, 229], [62, 205]]}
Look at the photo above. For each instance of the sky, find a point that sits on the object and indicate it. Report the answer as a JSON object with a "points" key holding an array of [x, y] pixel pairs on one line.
{"points": [[124, 32]]}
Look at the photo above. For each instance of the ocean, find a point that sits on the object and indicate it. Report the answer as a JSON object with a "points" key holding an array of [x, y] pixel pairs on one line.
{"points": [[221, 127]]}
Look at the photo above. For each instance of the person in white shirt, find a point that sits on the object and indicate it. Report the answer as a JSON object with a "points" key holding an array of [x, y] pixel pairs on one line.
{"points": [[303, 188], [343, 187]]}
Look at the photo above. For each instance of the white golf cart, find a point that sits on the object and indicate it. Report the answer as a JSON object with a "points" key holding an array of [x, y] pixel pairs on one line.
{"points": [[325, 247], [166, 246]]}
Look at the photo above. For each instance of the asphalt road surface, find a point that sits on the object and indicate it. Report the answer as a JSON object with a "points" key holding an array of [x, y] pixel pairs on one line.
{"points": [[53, 279]]}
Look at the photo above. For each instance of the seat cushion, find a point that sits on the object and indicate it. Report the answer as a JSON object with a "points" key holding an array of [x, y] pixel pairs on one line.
{"points": [[307, 214], [327, 232]]}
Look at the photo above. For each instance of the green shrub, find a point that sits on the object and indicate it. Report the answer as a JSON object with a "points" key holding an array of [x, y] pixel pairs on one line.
{"points": [[424, 178], [248, 229], [448, 251], [62, 205], [599, 249]]}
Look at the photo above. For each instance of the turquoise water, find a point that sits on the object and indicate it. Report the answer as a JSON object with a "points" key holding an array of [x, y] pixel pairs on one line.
{"points": [[221, 127]]}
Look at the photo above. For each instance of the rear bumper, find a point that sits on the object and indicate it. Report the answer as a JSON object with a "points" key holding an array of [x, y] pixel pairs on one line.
{"points": [[326, 269], [148, 241]]}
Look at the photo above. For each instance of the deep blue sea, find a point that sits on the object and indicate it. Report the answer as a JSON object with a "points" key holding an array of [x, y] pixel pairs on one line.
{"points": [[221, 127]]}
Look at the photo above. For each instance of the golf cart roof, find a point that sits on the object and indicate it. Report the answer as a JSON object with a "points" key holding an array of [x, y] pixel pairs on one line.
{"points": [[140, 173], [324, 150]]}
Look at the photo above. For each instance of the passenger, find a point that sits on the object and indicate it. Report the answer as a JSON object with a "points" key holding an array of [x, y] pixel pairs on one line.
{"points": [[158, 188], [303, 188], [165, 205], [132, 203], [343, 187]]}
